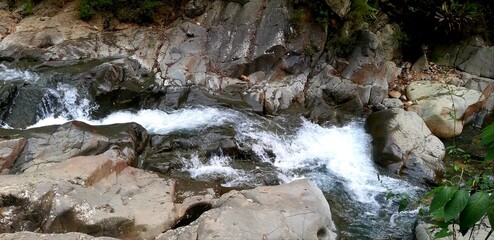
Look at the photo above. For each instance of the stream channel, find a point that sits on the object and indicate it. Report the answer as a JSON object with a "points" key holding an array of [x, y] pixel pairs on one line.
{"points": [[279, 149]]}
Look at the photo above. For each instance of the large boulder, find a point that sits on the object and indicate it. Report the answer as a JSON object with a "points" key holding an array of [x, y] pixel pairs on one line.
{"points": [[297, 210], [47, 146], [95, 195], [403, 144], [442, 106]]}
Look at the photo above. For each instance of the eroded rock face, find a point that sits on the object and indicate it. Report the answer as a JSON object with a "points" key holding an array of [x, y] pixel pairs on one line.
{"points": [[442, 106], [267, 213], [404, 144]]}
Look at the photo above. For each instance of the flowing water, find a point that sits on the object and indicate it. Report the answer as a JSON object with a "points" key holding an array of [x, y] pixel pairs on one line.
{"points": [[336, 158]]}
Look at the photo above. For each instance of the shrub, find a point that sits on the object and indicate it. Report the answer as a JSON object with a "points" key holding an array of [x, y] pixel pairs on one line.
{"points": [[123, 10]]}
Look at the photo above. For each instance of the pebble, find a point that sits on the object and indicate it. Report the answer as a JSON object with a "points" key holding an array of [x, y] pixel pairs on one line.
{"points": [[394, 94]]}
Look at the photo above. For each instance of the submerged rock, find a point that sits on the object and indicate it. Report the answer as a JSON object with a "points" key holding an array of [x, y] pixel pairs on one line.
{"points": [[403, 144], [292, 211]]}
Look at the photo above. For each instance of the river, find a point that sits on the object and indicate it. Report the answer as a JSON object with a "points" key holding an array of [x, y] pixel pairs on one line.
{"points": [[337, 158]]}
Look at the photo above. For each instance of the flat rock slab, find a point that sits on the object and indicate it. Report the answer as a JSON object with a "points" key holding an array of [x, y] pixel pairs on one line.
{"points": [[297, 210]]}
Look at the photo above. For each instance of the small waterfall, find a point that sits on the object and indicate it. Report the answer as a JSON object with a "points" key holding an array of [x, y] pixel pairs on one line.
{"points": [[62, 105], [10, 74]]}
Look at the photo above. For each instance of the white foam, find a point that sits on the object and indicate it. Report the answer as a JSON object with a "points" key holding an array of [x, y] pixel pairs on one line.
{"points": [[9, 74], [343, 151], [215, 167]]}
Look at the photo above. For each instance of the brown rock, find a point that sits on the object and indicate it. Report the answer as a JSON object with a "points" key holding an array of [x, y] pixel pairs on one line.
{"points": [[9, 151], [394, 94]]}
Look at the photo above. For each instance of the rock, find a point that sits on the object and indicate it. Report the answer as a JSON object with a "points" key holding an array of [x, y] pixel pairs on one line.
{"points": [[480, 63], [456, 54], [394, 94], [403, 144], [421, 64], [88, 194], [442, 106], [340, 7], [275, 212], [195, 8], [280, 95], [393, 103], [390, 46], [53, 144], [482, 85], [40, 236], [9, 151]]}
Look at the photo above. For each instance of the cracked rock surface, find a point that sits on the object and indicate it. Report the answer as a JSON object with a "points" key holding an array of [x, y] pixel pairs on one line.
{"points": [[296, 210]]}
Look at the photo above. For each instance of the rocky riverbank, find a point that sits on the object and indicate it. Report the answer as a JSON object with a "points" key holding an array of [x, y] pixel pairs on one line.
{"points": [[75, 177]]}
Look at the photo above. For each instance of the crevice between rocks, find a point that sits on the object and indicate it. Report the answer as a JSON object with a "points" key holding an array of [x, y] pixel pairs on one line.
{"points": [[193, 213]]}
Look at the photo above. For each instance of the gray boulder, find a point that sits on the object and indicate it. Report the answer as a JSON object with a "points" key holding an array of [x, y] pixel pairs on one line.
{"points": [[296, 210], [442, 106], [403, 144], [480, 63], [47, 146], [473, 57]]}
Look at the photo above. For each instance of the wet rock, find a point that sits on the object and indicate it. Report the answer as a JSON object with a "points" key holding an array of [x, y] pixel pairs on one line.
{"points": [[53, 144], [403, 144], [40, 236], [442, 106], [24, 103], [268, 212]]}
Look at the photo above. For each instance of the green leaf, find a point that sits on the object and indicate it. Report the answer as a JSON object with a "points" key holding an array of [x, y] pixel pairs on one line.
{"points": [[476, 208], [490, 155], [403, 204], [457, 203], [441, 198], [443, 233], [490, 210]]}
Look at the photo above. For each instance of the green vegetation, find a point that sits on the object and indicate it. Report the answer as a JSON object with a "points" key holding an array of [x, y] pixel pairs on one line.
{"points": [[466, 197], [431, 22], [123, 10]]}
